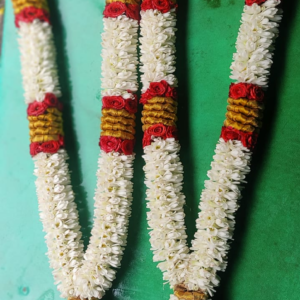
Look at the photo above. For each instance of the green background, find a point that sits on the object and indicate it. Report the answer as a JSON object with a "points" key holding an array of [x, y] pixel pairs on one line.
{"points": [[264, 262]]}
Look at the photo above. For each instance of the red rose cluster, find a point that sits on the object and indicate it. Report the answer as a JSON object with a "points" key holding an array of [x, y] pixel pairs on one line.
{"points": [[162, 5], [158, 89], [246, 90], [251, 2], [28, 14], [110, 143], [47, 147], [159, 130], [37, 108], [40, 120], [115, 9], [118, 102], [240, 125], [248, 139]]}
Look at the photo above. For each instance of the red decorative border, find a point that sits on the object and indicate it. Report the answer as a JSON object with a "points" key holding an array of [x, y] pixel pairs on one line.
{"points": [[110, 143], [47, 147], [115, 9], [246, 90], [37, 108], [29, 14], [158, 89], [159, 130], [248, 139], [118, 102], [163, 6], [251, 2]]}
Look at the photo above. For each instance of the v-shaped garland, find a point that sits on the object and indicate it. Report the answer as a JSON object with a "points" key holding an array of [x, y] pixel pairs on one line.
{"points": [[193, 275], [82, 275]]}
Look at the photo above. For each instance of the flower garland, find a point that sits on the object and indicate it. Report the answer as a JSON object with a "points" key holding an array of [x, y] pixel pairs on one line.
{"points": [[193, 275], [82, 275]]}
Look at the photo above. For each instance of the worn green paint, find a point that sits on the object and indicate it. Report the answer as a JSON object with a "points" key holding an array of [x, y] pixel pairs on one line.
{"points": [[265, 259]]}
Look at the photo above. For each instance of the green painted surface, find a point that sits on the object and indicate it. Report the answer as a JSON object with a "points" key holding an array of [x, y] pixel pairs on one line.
{"points": [[265, 259]]}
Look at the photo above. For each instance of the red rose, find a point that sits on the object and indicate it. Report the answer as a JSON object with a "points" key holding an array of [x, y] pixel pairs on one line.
{"points": [[255, 92], [172, 132], [114, 9], [133, 12], [162, 5], [171, 92], [158, 88], [109, 143], [146, 139], [28, 14], [131, 106], [36, 108], [147, 4], [50, 147], [116, 102], [157, 130], [127, 146], [145, 97], [249, 139], [35, 148], [51, 100], [238, 90], [250, 2], [229, 133]]}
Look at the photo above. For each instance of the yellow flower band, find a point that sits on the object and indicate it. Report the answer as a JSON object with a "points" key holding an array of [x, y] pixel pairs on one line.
{"points": [[239, 126], [247, 111], [46, 127], [117, 127], [246, 103], [238, 117], [117, 113], [118, 134], [115, 120]]}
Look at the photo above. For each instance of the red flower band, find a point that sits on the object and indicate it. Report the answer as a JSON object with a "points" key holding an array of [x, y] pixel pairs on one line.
{"points": [[28, 14], [110, 143], [246, 90], [115, 9], [159, 130], [118, 102], [162, 5], [47, 147], [37, 108], [251, 2], [248, 139], [158, 89]]}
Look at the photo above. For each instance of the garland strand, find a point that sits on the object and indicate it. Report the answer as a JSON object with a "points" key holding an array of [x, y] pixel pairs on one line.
{"points": [[82, 275], [193, 275]]}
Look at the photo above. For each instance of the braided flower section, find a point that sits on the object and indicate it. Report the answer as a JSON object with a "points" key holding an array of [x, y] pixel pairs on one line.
{"points": [[82, 275], [192, 273]]}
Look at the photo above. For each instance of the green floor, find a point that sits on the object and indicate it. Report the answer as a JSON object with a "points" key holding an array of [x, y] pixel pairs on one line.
{"points": [[265, 259]]}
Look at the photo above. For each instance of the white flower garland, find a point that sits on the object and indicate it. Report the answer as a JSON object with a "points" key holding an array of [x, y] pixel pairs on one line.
{"points": [[84, 275], [197, 270], [38, 55], [119, 56], [158, 47], [259, 28]]}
